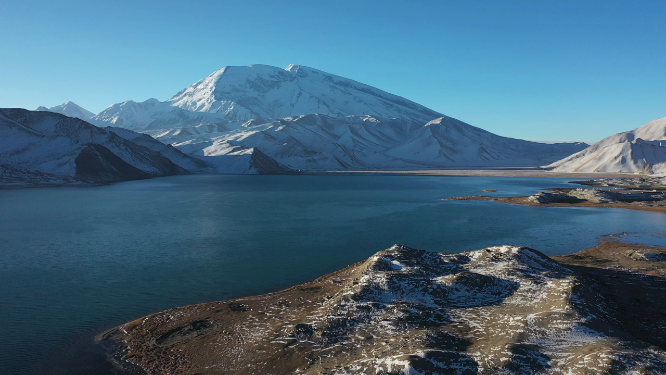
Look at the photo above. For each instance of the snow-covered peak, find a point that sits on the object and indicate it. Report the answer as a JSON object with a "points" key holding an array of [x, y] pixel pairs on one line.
{"points": [[130, 114], [70, 109], [262, 91]]}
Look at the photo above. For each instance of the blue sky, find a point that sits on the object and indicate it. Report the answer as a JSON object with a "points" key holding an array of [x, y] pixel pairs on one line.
{"points": [[544, 70]]}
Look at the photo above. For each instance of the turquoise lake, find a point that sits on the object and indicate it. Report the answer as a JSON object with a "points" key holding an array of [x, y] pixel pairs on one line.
{"points": [[77, 261]]}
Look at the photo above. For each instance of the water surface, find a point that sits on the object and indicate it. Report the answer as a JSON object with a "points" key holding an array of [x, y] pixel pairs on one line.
{"points": [[74, 261]]}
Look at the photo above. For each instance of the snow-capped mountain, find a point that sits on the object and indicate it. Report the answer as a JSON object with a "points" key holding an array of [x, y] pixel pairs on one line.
{"points": [[70, 109], [45, 147], [241, 93], [639, 150], [262, 91], [308, 119]]}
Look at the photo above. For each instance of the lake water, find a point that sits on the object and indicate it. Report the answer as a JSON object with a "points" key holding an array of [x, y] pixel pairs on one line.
{"points": [[76, 261]]}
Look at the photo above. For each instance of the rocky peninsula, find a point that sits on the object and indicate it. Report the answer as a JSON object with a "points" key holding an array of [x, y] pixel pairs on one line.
{"points": [[499, 310], [645, 194]]}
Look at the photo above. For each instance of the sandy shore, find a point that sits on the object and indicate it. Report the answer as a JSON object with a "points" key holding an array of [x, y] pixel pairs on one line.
{"points": [[505, 172]]}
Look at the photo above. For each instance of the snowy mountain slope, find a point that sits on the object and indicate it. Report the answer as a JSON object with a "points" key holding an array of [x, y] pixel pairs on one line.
{"points": [[241, 93], [447, 141], [247, 92], [319, 142], [642, 149], [70, 109], [56, 145], [151, 114], [177, 157]]}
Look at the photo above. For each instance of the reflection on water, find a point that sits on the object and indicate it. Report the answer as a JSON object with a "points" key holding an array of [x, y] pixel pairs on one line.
{"points": [[75, 261]]}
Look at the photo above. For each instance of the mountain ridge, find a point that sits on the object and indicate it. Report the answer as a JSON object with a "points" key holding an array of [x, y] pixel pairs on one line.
{"points": [[320, 142]]}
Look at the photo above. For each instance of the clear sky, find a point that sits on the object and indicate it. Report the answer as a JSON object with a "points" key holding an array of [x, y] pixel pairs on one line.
{"points": [[537, 69]]}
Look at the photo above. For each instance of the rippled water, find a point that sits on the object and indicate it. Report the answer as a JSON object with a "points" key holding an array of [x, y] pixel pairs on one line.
{"points": [[75, 261]]}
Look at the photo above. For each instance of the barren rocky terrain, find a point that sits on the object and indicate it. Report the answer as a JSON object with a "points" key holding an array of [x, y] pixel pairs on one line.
{"points": [[500, 310]]}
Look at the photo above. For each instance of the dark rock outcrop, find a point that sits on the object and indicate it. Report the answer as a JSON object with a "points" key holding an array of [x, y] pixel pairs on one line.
{"points": [[97, 163]]}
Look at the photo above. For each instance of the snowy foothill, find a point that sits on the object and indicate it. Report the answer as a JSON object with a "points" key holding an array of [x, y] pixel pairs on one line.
{"points": [[641, 150], [38, 147]]}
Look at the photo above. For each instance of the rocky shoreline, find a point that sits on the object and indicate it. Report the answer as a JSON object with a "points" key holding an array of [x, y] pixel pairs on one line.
{"points": [[644, 194], [503, 309]]}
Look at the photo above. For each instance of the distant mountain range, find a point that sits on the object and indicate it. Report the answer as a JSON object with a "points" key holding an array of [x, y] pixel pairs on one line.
{"points": [[241, 117], [70, 109], [38, 147], [303, 118], [639, 150]]}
